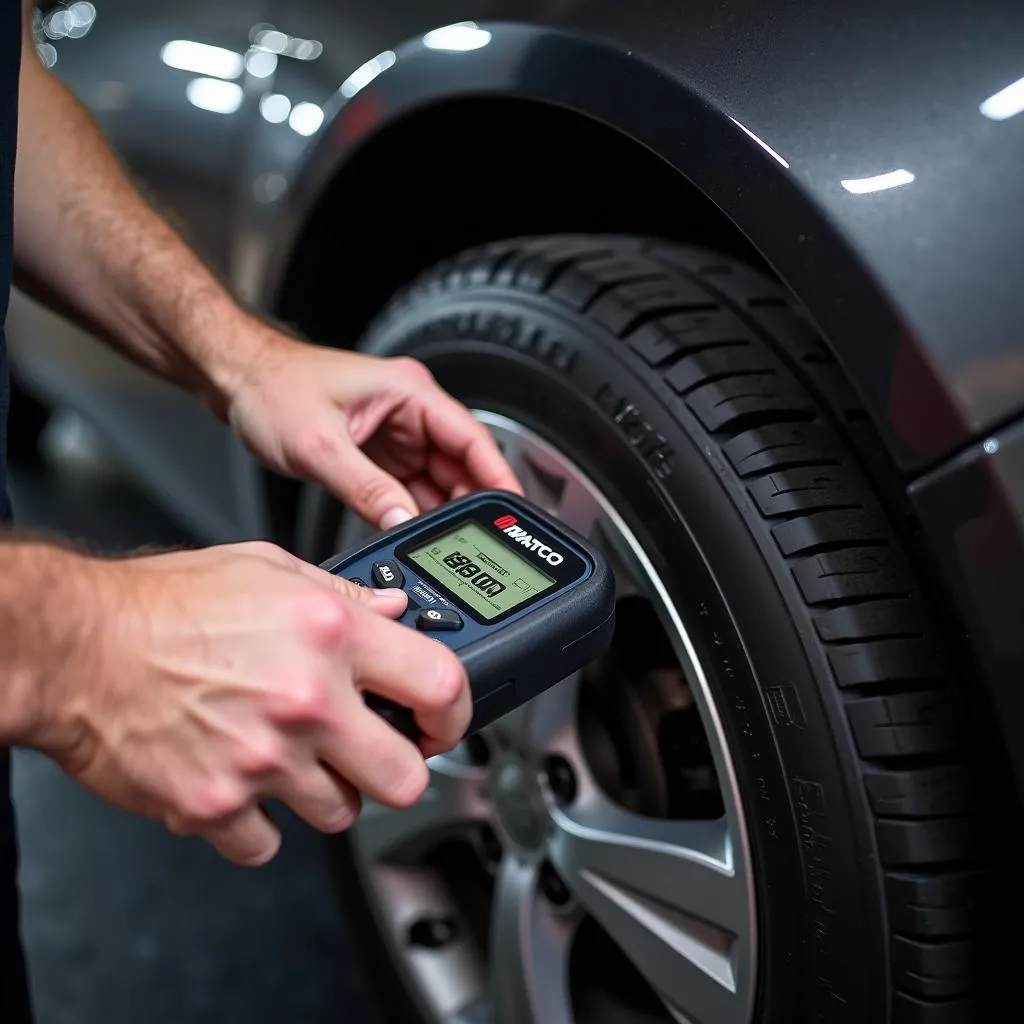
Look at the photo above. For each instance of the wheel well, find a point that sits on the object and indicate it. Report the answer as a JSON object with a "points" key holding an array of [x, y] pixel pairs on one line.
{"points": [[467, 171], [458, 173]]}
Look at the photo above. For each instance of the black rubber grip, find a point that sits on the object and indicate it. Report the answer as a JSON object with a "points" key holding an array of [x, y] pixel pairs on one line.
{"points": [[396, 716]]}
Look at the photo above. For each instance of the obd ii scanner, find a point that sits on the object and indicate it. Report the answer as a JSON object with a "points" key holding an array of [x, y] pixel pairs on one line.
{"points": [[523, 600]]}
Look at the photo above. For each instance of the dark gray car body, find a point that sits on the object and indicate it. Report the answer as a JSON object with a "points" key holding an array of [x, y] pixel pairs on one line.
{"points": [[866, 153]]}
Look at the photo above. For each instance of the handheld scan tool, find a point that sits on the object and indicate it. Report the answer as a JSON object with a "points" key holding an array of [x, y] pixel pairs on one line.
{"points": [[522, 600]]}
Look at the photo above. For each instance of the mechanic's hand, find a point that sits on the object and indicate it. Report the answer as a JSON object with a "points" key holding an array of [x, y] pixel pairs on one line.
{"points": [[379, 433], [215, 678]]}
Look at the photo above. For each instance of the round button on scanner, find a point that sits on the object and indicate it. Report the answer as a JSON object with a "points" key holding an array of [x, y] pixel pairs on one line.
{"points": [[432, 619], [387, 575]]}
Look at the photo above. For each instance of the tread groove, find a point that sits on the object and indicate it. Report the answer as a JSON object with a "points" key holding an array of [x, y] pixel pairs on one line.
{"points": [[752, 420], [649, 316], [603, 290], [714, 378]]}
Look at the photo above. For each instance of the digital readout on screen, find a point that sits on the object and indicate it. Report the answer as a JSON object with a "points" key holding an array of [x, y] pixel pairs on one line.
{"points": [[480, 570]]}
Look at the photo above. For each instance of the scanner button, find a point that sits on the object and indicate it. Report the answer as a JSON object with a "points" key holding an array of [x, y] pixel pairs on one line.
{"points": [[432, 619], [387, 575]]}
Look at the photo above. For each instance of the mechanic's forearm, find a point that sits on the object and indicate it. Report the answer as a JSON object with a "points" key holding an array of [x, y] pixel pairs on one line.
{"points": [[48, 610], [89, 244]]}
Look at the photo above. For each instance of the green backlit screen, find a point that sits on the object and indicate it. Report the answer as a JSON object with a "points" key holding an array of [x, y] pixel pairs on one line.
{"points": [[480, 570]]}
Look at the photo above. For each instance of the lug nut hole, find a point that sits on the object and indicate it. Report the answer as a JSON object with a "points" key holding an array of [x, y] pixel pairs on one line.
{"points": [[561, 779], [432, 932], [555, 891]]}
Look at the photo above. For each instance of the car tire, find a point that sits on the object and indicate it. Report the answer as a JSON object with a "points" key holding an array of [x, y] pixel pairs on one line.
{"points": [[700, 398]]}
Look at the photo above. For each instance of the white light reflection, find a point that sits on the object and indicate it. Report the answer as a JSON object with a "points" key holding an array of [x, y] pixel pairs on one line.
{"points": [[202, 59], [764, 145], [1005, 103], [460, 37], [214, 95], [81, 16], [275, 108], [260, 64], [366, 73], [47, 54], [305, 49], [880, 182], [306, 118], [58, 24], [71, 22], [272, 41]]}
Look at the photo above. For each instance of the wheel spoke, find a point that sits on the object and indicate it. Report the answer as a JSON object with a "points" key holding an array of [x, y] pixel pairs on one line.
{"points": [[545, 723], [578, 508], [543, 480], [517, 460], [515, 455], [546, 484], [529, 951], [453, 973], [666, 893], [453, 803]]}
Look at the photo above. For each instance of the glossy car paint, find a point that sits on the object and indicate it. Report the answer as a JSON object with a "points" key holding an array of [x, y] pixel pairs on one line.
{"points": [[851, 144]]}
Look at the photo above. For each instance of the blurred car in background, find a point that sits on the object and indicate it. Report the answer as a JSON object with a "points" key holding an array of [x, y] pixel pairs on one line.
{"points": [[737, 288]]}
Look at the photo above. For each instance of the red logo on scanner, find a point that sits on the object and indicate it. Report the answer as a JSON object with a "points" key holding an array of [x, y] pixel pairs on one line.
{"points": [[505, 522]]}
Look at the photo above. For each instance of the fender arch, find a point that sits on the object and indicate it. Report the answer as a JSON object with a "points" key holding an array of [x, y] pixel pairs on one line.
{"points": [[742, 192]]}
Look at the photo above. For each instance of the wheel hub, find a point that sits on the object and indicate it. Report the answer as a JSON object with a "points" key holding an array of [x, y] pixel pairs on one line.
{"points": [[518, 804]]}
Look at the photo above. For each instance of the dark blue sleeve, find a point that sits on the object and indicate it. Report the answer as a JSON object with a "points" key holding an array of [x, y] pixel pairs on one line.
{"points": [[14, 997]]}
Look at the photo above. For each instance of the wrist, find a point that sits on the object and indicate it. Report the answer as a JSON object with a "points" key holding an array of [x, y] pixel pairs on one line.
{"points": [[82, 612], [233, 348], [53, 622]]}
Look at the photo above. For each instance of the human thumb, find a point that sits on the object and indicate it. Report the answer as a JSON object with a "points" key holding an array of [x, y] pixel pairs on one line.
{"points": [[390, 600]]}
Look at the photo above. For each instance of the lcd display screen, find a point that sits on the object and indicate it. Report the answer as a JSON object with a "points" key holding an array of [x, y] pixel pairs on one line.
{"points": [[481, 571]]}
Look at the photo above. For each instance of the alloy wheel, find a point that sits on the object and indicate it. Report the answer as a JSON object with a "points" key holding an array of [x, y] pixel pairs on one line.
{"points": [[586, 858]]}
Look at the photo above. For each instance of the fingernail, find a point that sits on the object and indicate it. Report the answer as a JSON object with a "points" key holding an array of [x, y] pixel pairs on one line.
{"points": [[391, 595], [393, 517]]}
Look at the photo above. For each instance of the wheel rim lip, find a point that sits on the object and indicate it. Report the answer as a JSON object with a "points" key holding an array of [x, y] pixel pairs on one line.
{"points": [[738, 852]]}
